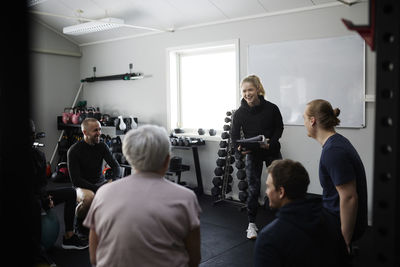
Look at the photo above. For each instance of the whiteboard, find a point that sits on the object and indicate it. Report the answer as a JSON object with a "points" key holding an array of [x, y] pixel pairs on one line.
{"points": [[295, 72]]}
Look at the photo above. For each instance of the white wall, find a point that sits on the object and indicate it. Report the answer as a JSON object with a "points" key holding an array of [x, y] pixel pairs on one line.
{"points": [[146, 98], [55, 80]]}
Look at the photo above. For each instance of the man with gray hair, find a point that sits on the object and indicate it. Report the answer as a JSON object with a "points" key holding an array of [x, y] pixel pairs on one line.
{"points": [[153, 222], [85, 164]]}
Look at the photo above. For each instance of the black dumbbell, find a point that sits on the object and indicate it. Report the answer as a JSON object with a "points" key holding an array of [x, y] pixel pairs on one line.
{"points": [[223, 144], [174, 141], [230, 178], [243, 185], [243, 196], [228, 113], [217, 181], [181, 141], [228, 169], [222, 152], [231, 159], [187, 141], [227, 119], [218, 171], [215, 191], [227, 127], [240, 164], [241, 174], [225, 135], [221, 162]]}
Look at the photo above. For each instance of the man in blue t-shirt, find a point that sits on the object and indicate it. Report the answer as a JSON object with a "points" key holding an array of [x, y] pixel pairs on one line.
{"points": [[341, 171]]}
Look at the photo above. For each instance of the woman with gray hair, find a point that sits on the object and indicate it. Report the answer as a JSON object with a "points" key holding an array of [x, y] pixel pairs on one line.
{"points": [[144, 219]]}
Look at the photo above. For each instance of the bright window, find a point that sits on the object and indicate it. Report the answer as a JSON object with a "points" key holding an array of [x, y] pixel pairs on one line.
{"points": [[203, 86]]}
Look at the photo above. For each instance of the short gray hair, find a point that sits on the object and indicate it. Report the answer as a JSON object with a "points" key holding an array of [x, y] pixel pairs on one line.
{"points": [[146, 147]]}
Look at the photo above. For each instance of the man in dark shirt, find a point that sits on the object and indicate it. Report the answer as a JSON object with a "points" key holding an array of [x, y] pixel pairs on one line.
{"points": [[303, 234], [85, 164]]}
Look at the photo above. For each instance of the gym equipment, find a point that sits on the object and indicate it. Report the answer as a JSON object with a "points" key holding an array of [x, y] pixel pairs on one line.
{"points": [[222, 153], [75, 116], [116, 145], [228, 169], [221, 162], [241, 174], [212, 132], [243, 196], [175, 164], [223, 144], [61, 174], [66, 115], [224, 169], [201, 131], [243, 185], [218, 171], [216, 191], [240, 164], [217, 181], [227, 127], [225, 135], [50, 229]]}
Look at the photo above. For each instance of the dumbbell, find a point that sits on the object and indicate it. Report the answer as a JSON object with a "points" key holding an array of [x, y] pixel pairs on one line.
{"points": [[228, 169], [225, 135], [223, 144], [230, 178], [215, 191], [221, 162], [181, 141], [240, 164], [226, 127], [187, 141], [174, 141], [243, 185], [243, 196], [217, 181], [218, 171], [241, 174], [231, 159], [222, 153], [227, 119], [228, 113]]}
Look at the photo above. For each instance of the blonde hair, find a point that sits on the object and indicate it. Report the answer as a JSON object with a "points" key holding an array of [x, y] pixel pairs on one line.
{"points": [[323, 112], [254, 80]]}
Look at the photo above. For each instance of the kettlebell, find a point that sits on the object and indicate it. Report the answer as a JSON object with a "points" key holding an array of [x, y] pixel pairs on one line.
{"points": [[122, 125], [133, 123], [66, 115], [75, 116]]}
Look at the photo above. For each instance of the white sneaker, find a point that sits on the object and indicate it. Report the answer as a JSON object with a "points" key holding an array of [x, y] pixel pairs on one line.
{"points": [[252, 231]]}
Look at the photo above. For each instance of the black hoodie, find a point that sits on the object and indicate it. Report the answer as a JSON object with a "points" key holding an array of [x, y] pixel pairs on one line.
{"points": [[263, 119], [303, 234]]}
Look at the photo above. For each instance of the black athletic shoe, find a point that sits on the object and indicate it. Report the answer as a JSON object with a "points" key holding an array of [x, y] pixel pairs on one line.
{"points": [[74, 242]]}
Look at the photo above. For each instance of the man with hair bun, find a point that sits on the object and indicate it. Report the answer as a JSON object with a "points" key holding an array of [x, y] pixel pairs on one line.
{"points": [[341, 171]]}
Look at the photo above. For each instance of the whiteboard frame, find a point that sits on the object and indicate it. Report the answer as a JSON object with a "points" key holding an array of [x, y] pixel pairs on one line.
{"points": [[363, 123]]}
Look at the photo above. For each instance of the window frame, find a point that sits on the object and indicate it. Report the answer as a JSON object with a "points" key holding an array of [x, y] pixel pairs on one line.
{"points": [[174, 80]]}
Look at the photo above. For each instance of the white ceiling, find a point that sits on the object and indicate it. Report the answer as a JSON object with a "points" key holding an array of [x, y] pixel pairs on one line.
{"points": [[159, 14]]}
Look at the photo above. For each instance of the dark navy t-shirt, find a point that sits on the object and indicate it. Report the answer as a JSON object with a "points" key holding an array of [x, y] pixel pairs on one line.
{"points": [[340, 164]]}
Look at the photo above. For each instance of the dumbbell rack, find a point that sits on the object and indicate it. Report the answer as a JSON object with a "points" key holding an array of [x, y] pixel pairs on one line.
{"points": [[228, 169]]}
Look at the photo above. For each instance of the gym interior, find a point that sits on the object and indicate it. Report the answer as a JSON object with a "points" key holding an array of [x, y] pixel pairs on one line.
{"points": [[127, 80]]}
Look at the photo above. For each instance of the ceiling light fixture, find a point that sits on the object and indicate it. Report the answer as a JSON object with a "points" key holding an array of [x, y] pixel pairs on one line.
{"points": [[94, 26], [31, 3]]}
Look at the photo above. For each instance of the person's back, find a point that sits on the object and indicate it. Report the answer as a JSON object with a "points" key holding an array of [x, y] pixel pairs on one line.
{"points": [[301, 235], [153, 220]]}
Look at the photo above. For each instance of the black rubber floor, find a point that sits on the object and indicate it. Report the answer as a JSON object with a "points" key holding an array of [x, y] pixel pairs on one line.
{"points": [[223, 237]]}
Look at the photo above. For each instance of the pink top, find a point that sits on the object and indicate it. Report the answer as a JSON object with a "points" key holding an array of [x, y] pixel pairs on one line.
{"points": [[142, 220]]}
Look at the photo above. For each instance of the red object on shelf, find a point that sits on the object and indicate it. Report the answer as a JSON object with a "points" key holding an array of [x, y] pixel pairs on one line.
{"points": [[367, 32]]}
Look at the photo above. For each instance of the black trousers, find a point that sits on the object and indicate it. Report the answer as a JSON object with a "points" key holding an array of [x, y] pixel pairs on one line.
{"points": [[254, 167], [65, 195]]}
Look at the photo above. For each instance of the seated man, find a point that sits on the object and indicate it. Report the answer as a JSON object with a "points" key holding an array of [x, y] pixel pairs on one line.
{"points": [[153, 222], [302, 234], [45, 199], [85, 163]]}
